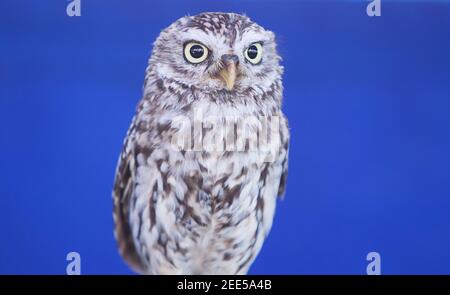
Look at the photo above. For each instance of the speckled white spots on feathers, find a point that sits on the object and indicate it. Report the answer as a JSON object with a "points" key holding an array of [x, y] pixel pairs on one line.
{"points": [[197, 212]]}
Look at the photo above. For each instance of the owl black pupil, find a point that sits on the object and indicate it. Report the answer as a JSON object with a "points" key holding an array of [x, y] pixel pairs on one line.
{"points": [[196, 51], [252, 52]]}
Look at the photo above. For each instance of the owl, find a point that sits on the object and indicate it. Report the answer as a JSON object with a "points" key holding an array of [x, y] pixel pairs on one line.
{"points": [[206, 156]]}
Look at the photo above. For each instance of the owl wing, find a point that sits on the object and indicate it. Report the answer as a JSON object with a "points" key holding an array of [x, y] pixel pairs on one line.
{"points": [[122, 193], [284, 159]]}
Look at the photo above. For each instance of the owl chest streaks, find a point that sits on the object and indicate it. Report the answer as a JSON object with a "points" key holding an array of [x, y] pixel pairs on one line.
{"points": [[196, 210], [191, 208]]}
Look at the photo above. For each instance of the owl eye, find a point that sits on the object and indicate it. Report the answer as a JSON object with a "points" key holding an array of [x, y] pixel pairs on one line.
{"points": [[195, 52], [254, 53]]}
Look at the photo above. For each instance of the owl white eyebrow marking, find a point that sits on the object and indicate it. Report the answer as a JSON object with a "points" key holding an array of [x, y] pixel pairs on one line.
{"points": [[252, 36], [251, 43], [197, 35]]}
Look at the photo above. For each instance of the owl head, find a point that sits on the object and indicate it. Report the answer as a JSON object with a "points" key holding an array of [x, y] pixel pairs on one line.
{"points": [[214, 52]]}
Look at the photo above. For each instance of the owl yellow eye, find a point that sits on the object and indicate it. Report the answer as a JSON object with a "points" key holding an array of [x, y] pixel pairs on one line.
{"points": [[195, 52], [254, 53]]}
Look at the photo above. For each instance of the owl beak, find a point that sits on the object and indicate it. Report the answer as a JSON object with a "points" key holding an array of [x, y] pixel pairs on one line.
{"points": [[229, 71]]}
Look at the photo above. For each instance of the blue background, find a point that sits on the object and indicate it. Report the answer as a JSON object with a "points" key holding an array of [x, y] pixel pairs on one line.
{"points": [[368, 101]]}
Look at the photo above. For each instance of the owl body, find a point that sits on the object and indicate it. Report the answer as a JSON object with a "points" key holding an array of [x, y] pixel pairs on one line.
{"points": [[206, 205]]}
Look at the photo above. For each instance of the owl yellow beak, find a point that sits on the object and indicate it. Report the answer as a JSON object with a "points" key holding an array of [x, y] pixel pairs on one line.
{"points": [[229, 72]]}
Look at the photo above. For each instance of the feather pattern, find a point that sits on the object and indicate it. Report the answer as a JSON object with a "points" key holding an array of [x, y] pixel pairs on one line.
{"points": [[202, 209]]}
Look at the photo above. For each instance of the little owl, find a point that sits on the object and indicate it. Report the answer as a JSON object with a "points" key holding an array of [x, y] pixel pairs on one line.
{"points": [[181, 204]]}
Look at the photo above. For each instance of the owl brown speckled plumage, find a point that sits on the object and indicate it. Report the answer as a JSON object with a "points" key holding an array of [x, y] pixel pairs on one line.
{"points": [[190, 210]]}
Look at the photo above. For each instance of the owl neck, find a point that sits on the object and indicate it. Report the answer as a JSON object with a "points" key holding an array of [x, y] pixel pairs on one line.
{"points": [[167, 93]]}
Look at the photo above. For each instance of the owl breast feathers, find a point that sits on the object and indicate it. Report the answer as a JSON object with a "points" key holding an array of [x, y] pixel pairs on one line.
{"points": [[206, 155]]}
